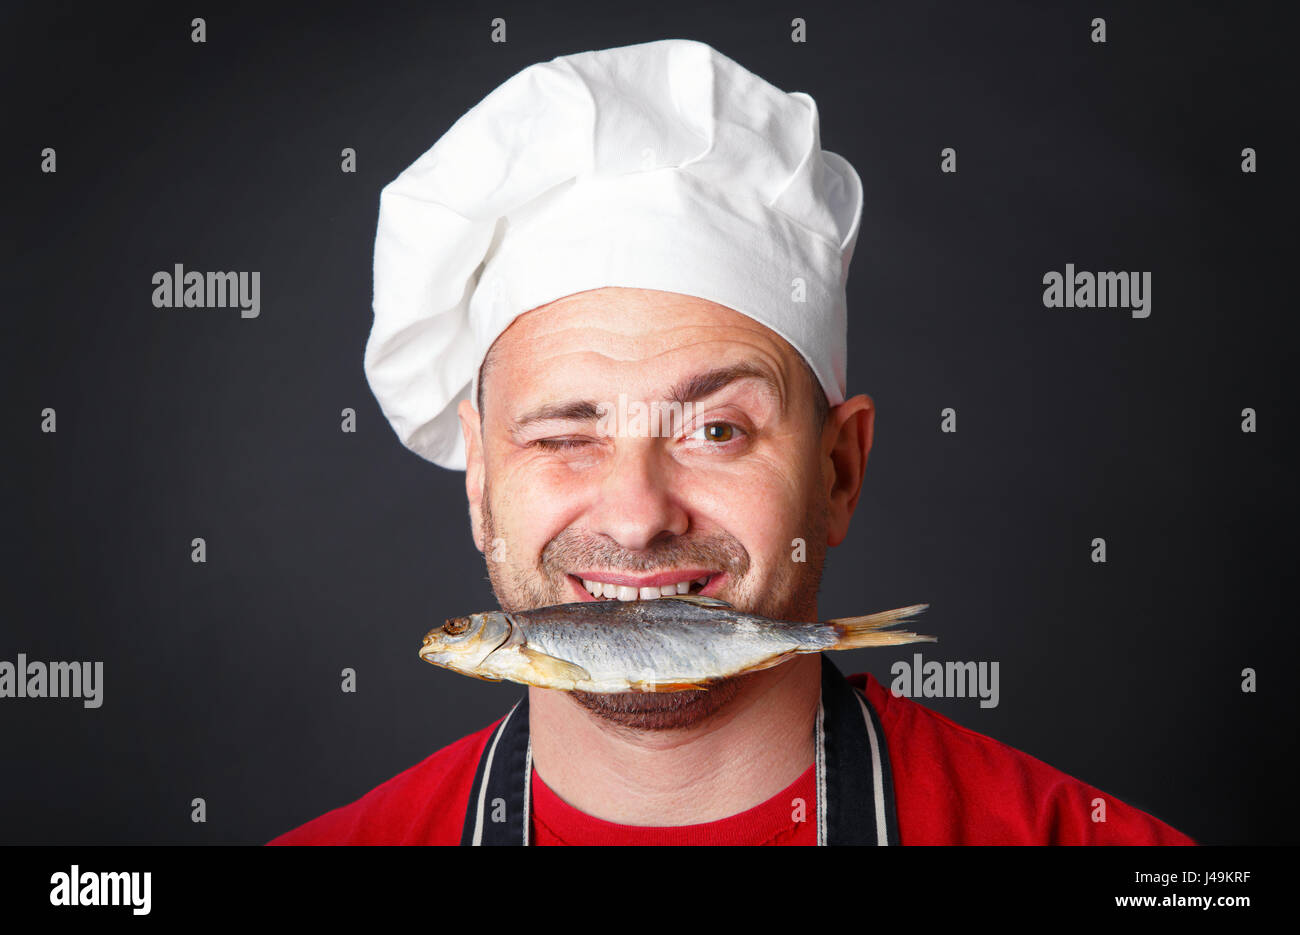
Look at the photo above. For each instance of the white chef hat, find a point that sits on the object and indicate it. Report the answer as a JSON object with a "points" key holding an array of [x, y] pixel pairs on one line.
{"points": [[663, 165]]}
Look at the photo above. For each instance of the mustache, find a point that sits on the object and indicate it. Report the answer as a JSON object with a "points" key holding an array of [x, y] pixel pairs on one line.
{"points": [[575, 549]]}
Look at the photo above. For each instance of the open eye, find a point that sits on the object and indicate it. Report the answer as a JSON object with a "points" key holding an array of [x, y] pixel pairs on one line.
{"points": [[720, 432], [455, 626]]}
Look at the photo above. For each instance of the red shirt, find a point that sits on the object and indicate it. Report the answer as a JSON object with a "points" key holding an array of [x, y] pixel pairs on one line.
{"points": [[951, 785], [779, 820]]}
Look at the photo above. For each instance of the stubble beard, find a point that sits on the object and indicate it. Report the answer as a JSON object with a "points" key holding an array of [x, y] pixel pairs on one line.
{"points": [[792, 596]]}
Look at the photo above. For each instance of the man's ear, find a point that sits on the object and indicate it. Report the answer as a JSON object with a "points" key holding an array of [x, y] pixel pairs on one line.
{"points": [[469, 426], [846, 444]]}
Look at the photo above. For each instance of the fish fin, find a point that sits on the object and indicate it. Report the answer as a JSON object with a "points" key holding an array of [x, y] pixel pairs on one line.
{"points": [[860, 632], [640, 686], [696, 599], [553, 667], [774, 661]]}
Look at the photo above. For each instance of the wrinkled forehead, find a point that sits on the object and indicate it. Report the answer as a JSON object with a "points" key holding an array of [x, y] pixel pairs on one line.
{"points": [[630, 340]]}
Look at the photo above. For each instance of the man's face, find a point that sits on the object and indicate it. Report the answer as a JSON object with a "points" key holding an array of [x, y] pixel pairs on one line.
{"points": [[558, 496]]}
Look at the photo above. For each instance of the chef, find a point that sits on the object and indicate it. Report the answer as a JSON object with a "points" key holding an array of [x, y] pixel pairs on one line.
{"points": [[656, 224]]}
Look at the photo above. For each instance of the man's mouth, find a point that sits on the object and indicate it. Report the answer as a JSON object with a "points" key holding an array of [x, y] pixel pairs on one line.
{"points": [[607, 586]]}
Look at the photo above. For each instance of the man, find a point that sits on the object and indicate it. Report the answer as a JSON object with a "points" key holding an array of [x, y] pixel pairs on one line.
{"points": [[655, 224]]}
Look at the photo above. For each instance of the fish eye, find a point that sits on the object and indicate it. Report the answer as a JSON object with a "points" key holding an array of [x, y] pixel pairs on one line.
{"points": [[456, 626]]}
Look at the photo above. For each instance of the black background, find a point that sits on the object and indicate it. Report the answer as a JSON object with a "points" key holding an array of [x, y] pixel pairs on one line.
{"points": [[327, 550]]}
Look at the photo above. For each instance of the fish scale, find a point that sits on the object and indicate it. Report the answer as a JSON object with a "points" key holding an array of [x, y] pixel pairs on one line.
{"points": [[670, 648]]}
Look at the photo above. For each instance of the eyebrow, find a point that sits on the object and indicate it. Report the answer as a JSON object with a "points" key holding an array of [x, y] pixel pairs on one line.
{"points": [[688, 390]]}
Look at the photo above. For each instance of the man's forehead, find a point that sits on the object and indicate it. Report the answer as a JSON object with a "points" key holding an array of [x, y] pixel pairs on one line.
{"points": [[587, 348], [634, 327]]}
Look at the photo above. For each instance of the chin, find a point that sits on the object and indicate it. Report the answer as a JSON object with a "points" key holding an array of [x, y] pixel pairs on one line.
{"points": [[659, 710]]}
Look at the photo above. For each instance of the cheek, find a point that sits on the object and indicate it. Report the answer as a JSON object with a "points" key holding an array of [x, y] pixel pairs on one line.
{"points": [[763, 502], [530, 509], [766, 481]]}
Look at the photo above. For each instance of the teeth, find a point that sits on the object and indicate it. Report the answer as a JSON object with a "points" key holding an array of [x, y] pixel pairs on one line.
{"points": [[603, 589]]}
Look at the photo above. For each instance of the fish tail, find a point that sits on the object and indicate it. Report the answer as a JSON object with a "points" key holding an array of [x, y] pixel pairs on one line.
{"points": [[860, 632]]}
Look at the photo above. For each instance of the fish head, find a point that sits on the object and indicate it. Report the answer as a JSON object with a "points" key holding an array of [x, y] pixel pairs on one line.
{"points": [[462, 643]]}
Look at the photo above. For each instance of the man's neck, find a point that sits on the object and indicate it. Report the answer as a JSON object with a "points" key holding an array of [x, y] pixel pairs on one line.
{"points": [[747, 752]]}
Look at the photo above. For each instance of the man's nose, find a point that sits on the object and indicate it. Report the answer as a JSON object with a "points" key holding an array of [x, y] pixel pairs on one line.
{"points": [[637, 502]]}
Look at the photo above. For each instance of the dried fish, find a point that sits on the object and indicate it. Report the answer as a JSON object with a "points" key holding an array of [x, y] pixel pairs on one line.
{"points": [[676, 643]]}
